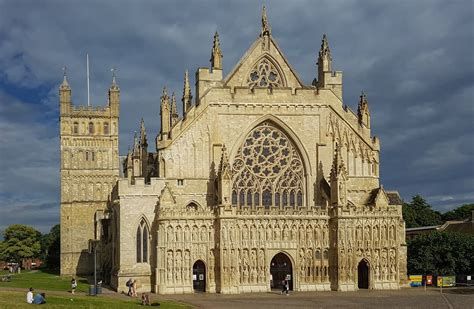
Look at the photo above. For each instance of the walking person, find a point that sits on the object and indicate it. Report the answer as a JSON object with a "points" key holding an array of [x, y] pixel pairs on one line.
{"points": [[134, 288], [73, 285], [287, 287], [283, 287], [129, 286]]}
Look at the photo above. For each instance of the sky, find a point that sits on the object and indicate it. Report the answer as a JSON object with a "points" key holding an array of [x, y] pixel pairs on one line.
{"points": [[414, 59]]}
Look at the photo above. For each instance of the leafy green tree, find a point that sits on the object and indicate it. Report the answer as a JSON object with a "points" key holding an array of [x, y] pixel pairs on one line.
{"points": [[20, 241], [51, 247], [441, 253], [419, 213], [461, 213]]}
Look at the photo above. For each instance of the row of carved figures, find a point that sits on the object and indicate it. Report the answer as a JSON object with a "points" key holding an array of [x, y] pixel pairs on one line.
{"points": [[382, 262], [309, 236], [179, 268]]}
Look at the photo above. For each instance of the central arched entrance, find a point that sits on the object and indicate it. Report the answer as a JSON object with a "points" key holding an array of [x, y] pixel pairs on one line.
{"points": [[280, 270], [363, 274], [199, 276]]}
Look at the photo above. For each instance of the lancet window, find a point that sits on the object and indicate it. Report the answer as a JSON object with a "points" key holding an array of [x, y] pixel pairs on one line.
{"points": [[264, 75], [268, 170], [142, 242]]}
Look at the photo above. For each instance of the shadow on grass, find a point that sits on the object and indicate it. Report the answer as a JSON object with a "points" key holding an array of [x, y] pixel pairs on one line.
{"points": [[49, 271]]}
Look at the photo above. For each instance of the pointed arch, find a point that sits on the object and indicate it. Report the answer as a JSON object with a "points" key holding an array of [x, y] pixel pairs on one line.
{"points": [[265, 72], [142, 240], [283, 127], [271, 162]]}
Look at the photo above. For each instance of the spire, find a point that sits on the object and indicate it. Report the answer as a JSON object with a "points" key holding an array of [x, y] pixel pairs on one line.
{"points": [[338, 180], [65, 84], [136, 145], [165, 115], [187, 97], [266, 29], [64, 95], [224, 180], [114, 85], [143, 140], [165, 98], [324, 59], [363, 113], [216, 54], [224, 166], [338, 167], [174, 110]]}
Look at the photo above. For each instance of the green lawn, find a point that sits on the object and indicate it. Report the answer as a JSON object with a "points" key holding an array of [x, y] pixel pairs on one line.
{"points": [[11, 299], [57, 296], [44, 281]]}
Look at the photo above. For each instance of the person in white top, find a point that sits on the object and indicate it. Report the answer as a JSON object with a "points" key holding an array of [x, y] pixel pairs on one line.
{"points": [[29, 296]]}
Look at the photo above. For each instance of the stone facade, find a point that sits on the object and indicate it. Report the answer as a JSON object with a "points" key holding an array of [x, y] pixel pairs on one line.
{"points": [[264, 178]]}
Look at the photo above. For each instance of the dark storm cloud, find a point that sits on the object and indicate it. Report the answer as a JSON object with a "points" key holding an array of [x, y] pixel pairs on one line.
{"points": [[413, 58]]}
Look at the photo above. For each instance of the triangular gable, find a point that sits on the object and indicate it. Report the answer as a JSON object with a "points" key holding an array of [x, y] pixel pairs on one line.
{"points": [[167, 198], [381, 199], [239, 76]]}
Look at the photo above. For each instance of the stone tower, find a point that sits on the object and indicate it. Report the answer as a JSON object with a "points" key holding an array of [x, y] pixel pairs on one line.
{"points": [[89, 171]]}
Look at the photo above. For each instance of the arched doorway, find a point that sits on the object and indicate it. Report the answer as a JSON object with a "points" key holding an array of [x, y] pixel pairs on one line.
{"points": [[363, 274], [281, 269], [199, 276]]}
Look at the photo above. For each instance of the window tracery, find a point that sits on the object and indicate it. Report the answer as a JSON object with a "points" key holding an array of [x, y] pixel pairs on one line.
{"points": [[264, 75], [142, 242], [268, 168]]}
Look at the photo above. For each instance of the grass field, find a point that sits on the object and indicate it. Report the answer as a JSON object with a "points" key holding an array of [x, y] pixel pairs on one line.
{"points": [[44, 280], [13, 299], [13, 293]]}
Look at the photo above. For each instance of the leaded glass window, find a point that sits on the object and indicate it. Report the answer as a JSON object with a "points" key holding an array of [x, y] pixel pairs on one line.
{"points": [[264, 75], [267, 165]]}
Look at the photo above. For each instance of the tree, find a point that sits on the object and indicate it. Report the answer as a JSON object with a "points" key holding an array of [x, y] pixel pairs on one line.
{"points": [[20, 241], [441, 253], [461, 213], [51, 247], [419, 213]]}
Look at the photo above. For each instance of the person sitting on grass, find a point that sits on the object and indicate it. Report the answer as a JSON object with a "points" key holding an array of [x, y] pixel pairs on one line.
{"points": [[39, 299], [145, 299], [29, 296]]}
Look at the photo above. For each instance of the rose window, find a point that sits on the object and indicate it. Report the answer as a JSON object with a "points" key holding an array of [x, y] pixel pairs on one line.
{"points": [[268, 170], [264, 75]]}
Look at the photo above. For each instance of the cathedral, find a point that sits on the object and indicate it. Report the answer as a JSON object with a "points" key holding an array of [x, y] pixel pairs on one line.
{"points": [[261, 179]]}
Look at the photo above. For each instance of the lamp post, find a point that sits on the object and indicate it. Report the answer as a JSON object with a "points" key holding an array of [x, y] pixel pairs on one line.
{"points": [[93, 245]]}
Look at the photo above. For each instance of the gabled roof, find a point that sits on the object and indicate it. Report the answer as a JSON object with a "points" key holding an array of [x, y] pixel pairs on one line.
{"points": [[378, 194], [239, 75]]}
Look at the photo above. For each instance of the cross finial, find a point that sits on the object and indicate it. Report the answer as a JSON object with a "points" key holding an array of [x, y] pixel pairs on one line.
{"points": [[265, 25], [64, 71]]}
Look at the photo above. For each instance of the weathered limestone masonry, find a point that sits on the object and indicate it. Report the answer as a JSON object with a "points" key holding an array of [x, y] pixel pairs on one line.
{"points": [[89, 171], [262, 179]]}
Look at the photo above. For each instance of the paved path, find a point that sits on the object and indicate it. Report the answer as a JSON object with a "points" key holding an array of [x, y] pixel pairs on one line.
{"points": [[405, 298], [451, 298]]}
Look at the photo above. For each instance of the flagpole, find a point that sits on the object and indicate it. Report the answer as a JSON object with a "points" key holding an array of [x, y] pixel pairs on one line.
{"points": [[88, 91]]}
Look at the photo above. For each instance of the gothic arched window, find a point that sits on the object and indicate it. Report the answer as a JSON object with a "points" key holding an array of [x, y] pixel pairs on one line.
{"points": [[91, 128], [264, 75], [106, 128], [142, 242], [268, 167], [75, 128]]}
